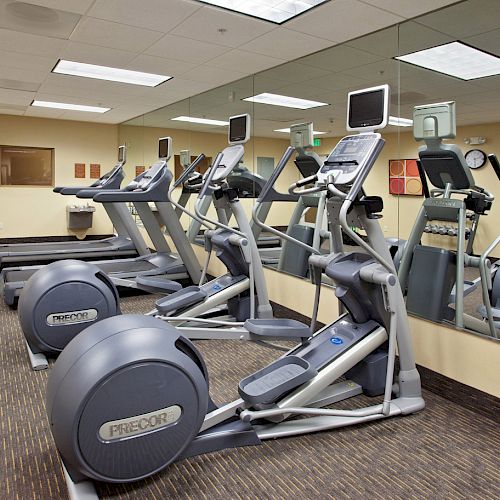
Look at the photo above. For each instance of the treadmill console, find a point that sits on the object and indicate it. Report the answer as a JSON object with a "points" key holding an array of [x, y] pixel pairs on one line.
{"points": [[348, 157]]}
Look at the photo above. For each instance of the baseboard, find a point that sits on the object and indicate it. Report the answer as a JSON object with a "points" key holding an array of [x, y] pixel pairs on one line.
{"points": [[42, 239], [468, 397]]}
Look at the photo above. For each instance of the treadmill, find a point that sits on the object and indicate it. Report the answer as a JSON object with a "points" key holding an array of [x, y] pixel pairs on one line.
{"points": [[161, 267], [126, 242]]}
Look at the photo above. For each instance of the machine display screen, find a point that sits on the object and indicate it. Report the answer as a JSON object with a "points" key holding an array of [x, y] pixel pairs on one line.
{"points": [[238, 129], [366, 109], [163, 151], [121, 154]]}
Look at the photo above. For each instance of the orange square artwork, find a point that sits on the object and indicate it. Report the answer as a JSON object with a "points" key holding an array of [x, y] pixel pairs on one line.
{"points": [[79, 170], [404, 178], [139, 169], [95, 170]]}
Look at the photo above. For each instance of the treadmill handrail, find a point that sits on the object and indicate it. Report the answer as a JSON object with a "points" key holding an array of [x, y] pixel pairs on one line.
{"points": [[156, 191], [110, 180]]}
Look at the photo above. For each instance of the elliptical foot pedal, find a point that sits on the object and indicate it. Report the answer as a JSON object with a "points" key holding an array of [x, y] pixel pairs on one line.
{"points": [[179, 300], [278, 328], [157, 284], [276, 379]]}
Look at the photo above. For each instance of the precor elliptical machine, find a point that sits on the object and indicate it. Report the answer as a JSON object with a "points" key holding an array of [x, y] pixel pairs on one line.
{"points": [[130, 395]]}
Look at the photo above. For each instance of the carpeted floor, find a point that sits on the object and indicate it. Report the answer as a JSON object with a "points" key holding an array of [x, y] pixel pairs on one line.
{"points": [[446, 451]]}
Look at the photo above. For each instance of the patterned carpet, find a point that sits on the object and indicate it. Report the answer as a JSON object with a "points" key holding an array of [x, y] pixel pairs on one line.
{"points": [[446, 451]]}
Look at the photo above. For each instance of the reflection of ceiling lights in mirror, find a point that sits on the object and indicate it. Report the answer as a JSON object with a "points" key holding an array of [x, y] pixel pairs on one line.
{"points": [[285, 101], [455, 59], [203, 121], [112, 74], [400, 122], [287, 131], [72, 107], [276, 11]]}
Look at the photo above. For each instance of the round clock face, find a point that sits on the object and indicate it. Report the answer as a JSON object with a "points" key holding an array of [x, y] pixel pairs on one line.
{"points": [[475, 158]]}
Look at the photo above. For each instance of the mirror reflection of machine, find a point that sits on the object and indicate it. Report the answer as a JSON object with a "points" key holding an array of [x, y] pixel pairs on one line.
{"points": [[435, 278]]}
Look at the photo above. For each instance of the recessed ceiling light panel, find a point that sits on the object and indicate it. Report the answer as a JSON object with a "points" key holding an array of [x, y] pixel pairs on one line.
{"points": [[455, 59], [276, 11], [400, 122], [72, 107], [203, 121], [111, 74], [287, 131], [285, 101]]}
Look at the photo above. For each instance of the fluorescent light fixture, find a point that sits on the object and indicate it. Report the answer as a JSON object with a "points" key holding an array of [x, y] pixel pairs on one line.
{"points": [[285, 101], [287, 131], [111, 74], [276, 11], [400, 122], [72, 107], [455, 59], [203, 121]]}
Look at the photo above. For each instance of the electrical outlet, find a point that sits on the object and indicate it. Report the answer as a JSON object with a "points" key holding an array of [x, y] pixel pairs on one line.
{"points": [[1, 226]]}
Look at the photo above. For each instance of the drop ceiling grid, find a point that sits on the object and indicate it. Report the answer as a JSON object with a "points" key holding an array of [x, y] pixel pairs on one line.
{"points": [[125, 33]]}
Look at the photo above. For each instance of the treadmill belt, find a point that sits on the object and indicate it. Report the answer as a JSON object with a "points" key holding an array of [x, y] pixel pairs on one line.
{"points": [[56, 246], [109, 267]]}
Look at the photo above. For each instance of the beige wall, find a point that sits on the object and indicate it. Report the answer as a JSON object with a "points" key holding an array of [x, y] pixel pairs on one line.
{"points": [[37, 211]]}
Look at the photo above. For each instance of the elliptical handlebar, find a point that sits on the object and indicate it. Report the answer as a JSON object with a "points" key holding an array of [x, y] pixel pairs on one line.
{"points": [[271, 181], [276, 173], [495, 164], [188, 171], [209, 175]]}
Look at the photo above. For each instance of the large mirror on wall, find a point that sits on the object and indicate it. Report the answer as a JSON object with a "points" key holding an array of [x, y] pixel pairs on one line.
{"points": [[303, 104], [451, 55]]}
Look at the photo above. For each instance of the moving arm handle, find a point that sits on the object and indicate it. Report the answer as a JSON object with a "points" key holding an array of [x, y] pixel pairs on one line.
{"points": [[209, 176], [274, 176], [494, 163], [188, 171]]}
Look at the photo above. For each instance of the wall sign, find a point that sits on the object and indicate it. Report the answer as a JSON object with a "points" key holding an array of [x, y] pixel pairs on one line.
{"points": [[79, 170]]}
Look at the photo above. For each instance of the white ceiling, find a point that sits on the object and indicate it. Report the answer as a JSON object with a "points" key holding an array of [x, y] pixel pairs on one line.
{"points": [[328, 75], [202, 47]]}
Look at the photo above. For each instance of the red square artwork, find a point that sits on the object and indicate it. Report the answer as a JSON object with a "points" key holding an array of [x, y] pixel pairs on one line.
{"points": [[95, 170], [404, 178], [79, 170], [139, 169]]}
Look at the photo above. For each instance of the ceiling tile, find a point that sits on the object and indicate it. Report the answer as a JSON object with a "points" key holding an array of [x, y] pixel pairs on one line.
{"points": [[465, 19], [204, 25], [340, 20], [489, 41], [78, 6], [158, 15], [35, 19], [16, 97], [159, 65], [21, 75], [244, 61], [340, 58], [185, 49], [92, 54], [409, 9], [286, 44], [114, 35], [211, 74], [295, 72], [25, 43], [26, 61]]}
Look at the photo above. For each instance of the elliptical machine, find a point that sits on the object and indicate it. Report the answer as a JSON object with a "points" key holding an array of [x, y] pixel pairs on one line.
{"points": [[129, 396]]}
